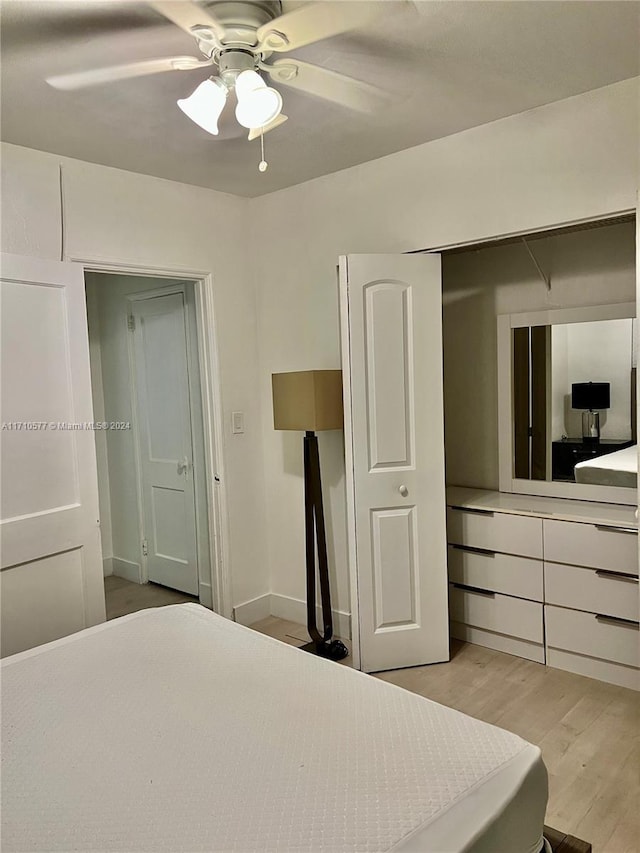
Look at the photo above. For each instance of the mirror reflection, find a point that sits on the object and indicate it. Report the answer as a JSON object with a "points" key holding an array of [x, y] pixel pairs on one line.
{"points": [[574, 402]]}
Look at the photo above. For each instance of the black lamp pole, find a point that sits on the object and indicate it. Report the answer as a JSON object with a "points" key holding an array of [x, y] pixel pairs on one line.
{"points": [[315, 539]]}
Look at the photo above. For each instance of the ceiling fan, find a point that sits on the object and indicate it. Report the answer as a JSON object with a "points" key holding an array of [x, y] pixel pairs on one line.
{"points": [[239, 37]]}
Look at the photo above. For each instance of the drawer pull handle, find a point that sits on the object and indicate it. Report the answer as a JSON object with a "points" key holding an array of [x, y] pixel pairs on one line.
{"points": [[473, 510], [476, 589], [472, 550], [620, 576], [615, 620], [605, 527]]}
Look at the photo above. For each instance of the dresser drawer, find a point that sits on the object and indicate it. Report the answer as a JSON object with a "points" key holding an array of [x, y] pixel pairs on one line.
{"points": [[495, 531], [598, 547], [585, 634], [595, 590], [519, 576], [494, 612]]}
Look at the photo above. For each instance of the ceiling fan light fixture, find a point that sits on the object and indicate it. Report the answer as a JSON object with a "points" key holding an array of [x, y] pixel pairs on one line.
{"points": [[205, 104]]}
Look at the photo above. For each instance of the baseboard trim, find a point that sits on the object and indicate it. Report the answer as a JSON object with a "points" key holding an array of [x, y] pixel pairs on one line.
{"points": [[291, 609], [614, 673], [107, 567], [126, 569], [205, 594], [253, 610], [500, 642], [295, 610]]}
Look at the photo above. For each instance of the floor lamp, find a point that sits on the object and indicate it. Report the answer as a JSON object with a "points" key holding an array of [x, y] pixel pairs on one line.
{"points": [[311, 400]]}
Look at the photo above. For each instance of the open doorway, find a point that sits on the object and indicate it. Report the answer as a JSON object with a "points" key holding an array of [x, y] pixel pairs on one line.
{"points": [[143, 340]]}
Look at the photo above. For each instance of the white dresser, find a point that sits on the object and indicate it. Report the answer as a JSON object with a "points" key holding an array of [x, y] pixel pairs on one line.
{"points": [[552, 580]]}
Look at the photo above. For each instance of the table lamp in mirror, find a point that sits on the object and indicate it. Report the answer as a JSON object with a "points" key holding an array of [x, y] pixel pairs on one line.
{"points": [[592, 398]]}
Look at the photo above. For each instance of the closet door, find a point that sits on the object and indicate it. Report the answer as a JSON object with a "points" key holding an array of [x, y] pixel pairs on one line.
{"points": [[391, 318], [51, 580]]}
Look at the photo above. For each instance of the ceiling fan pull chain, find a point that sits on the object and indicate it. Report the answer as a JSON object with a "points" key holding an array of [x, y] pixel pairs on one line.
{"points": [[263, 163]]}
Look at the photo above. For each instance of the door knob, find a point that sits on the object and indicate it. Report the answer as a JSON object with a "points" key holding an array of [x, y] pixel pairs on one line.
{"points": [[404, 491], [183, 466]]}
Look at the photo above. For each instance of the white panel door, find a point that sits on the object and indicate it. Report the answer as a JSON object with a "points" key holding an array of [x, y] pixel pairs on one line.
{"points": [[165, 440], [392, 360], [49, 487]]}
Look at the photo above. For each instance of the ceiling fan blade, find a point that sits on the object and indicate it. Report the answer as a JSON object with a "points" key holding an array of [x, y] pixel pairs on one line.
{"points": [[327, 84], [188, 16], [112, 73], [255, 132], [317, 21]]}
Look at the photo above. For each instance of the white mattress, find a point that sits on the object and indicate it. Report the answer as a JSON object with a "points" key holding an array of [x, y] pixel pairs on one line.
{"points": [[176, 730], [619, 468]]}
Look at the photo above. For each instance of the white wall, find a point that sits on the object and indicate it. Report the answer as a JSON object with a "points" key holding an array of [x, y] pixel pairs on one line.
{"points": [[117, 216], [560, 163]]}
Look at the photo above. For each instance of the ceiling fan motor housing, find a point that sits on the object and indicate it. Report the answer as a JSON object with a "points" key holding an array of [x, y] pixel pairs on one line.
{"points": [[239, 49], [233, 61], [241, 19]]}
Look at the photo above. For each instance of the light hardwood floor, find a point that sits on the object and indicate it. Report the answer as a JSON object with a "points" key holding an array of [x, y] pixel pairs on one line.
{"points": [[588, 731], [124, 597]]}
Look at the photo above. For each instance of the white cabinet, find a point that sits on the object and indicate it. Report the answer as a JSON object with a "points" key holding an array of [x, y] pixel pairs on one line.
{"points": [[511, 534], [601, 546], [496, 575], [558, 590], [591, 596], [610, 593], [500, 622], [505, 573], [591, 644]]}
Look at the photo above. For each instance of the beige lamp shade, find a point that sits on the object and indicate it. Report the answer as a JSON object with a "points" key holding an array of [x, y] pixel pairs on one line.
{"points": [[308, 400]]}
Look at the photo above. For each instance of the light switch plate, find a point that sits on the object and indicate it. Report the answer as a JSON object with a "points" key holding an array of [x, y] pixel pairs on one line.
{"points": [[237, 422]]}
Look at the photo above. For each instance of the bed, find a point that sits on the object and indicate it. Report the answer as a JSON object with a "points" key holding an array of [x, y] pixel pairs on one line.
{"points": [[174, 729], [619, 468]]}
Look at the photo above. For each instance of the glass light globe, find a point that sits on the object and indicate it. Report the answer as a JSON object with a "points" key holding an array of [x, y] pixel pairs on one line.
{"points": [[259, 107], [248, 81], [205, 104]]}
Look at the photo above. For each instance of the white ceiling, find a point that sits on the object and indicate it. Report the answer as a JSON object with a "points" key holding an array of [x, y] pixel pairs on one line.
{"points": [[449, 65]]}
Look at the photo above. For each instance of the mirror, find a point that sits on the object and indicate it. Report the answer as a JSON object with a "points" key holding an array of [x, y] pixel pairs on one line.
{"points": [[568, 403]]}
